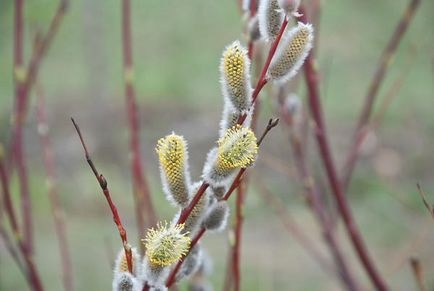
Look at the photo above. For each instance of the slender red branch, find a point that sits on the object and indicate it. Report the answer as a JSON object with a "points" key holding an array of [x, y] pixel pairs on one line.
{"points": [[292, 226], [317, 206], [23, 82], [187, 210], [13, 252], [237, 244], [103, 184], [338, 194], [143, 203], [374, 87], [33, 278], [59, 222], [194, 241]]}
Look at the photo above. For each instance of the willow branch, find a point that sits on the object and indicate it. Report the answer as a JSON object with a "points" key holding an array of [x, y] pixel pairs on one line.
{"points": [[59, 221], [374, 87], [315, 107], [103, 184], [143, 203]]}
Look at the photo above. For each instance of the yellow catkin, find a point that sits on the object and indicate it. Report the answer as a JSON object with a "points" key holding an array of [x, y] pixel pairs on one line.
{"points": [[123, 265], [236, 149], [292, 52], [172, 153], [235, 76], [166, 244]]}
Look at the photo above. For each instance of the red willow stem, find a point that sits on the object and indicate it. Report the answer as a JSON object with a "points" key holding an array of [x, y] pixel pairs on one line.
{"points": [[59, 222], [311, 77], [373, 90], [17, 146], [171, 279], [143, 203], [240, 190], [262, 80], [235, 183], [291, 225], [317, 206], [32, 277], [23, 82], [103, 184]]}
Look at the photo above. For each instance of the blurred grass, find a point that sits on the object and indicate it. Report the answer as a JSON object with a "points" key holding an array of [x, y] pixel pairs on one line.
{"points": [[177, 47]]}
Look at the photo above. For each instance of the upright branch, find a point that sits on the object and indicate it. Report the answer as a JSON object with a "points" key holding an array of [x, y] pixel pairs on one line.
{"points": [[32, 277], [103, 184], [59, 222], [294, 228], [373, 89], [317, 206], [311, 77], [235, 183], [24, 79], [143, 203]]}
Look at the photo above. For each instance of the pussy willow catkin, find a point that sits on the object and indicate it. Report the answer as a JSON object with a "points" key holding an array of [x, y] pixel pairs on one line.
{"points": [[236, 149], [235, 77], [175, 176], [291, 53], [270, 19]]}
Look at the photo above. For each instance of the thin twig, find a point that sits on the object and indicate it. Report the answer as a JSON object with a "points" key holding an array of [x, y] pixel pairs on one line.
{"points": [[317, 206], [292, 226], [143, 203], [32, 277], [103, 184], [24, 79], [416, 267], [59, 221], [13, 252], [374, 87], [315, 107], [422, 195]]}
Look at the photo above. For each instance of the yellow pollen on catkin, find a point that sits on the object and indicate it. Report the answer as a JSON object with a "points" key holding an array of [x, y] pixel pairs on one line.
{"points": [[290, 59], [236, 149], [123, 265], [235, 76], [171, 151], [166, 244]]}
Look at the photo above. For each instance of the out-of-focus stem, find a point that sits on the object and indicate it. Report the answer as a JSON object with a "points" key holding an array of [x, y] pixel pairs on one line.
{"points": [[143, 203], [33, 278], [338, 194], [24, 79], [374, 87], [59, 223]]}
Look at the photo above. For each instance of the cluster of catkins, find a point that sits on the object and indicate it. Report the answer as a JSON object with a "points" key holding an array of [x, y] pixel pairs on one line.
{"points": [[236, 148]]}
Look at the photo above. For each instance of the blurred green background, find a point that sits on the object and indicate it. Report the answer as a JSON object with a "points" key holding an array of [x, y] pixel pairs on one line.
{"points": [[177, 47]]}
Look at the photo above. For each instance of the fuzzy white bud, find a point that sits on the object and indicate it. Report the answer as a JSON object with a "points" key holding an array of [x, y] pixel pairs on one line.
{"points": [[291, 53], [190, 264], [270, 19], [126, 282], [217, 217]]}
